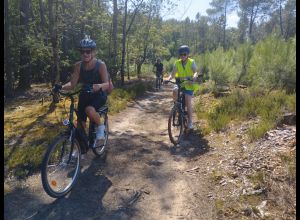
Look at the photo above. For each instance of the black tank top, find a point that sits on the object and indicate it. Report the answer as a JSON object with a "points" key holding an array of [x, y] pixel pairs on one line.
{"points": [[90, 76]]}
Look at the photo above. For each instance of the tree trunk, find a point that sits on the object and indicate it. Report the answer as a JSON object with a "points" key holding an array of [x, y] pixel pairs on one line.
{"points": [[8, 83], [114, 38], [127, 61], [142, 59], [43, 23], [280, 17], [123, 43], [82, 27], [25, 73], [224, 28], [42, 13], [252, 19], [138, 69], [53, 37]]}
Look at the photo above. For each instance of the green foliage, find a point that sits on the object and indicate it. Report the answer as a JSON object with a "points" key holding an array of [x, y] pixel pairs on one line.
{"points": [[220, 66], [202, 62], [273, 65], [241, 105], [217, 121], [242, 58], [168, 65], [257, 131]]}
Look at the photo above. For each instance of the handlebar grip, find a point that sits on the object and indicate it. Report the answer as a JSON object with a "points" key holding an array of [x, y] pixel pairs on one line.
{"points": [[56, 88], [88, 88]]}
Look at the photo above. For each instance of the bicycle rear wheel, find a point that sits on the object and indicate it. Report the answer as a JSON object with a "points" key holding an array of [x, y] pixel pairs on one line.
{"points": [[61, 166], [100, 146], [175, 126]]}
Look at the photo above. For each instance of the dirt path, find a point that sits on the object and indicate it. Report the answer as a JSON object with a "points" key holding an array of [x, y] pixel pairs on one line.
{"points": [[144, 176]]}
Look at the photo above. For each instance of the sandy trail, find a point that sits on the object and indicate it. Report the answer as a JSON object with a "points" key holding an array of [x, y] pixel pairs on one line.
{"points": [[144, 176]]}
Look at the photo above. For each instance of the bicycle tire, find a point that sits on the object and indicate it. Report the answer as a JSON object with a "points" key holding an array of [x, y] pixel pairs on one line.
{"points": [[51, 184], [101, 150], [175, 117]]}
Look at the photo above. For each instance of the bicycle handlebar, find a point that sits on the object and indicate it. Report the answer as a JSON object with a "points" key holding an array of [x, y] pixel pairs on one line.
{"points": [[84, 88], [68, 93], [182, 81]]}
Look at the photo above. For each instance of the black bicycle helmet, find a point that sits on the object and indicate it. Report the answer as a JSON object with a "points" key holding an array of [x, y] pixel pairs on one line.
{"points": [[184, 49], [87, 43]]}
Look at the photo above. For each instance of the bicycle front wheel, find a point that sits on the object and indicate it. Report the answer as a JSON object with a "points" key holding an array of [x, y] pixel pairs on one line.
{"points": [[175, 126], [61, 166]]}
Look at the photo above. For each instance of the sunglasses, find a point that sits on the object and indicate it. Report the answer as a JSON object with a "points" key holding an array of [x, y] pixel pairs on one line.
{"points": [[85, 51], [183, 54]]}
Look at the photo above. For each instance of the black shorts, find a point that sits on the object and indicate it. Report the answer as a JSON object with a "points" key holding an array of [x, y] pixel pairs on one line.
{"points": [[95, 100]]}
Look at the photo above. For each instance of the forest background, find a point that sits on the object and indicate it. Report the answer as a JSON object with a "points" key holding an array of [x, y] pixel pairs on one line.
{"points": [[42, 36]]}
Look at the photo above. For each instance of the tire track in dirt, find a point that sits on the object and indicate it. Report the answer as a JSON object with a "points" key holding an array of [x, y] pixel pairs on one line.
{"points": [[144, 176]]}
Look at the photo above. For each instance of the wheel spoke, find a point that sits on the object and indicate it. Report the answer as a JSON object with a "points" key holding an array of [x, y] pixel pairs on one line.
{"points": [[60, 167]]}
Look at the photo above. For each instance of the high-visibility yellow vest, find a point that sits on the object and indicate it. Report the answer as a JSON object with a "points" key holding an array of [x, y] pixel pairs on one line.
{"points": [[183, 73]]}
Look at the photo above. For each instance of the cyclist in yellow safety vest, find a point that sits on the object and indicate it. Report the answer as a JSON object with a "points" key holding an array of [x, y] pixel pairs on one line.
{"points": [[185, 68]]}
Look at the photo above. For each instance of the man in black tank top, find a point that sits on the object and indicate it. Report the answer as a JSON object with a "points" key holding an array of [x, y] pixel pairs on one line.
{"points": [[92, 73]]}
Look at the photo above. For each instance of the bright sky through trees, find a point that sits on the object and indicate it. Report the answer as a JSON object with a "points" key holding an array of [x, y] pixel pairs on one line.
{"points": [[189, 8]]}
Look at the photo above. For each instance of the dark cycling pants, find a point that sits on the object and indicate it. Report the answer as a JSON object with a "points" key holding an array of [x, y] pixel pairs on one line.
{"points": [[158, 74], [95, 100]]}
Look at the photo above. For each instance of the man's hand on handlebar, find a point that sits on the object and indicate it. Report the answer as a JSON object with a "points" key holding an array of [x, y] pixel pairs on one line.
{"points": [[87, 88], [56, 88], [55, 95]]}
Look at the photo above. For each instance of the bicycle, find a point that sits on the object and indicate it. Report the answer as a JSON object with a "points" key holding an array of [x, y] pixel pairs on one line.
{"points": [[178, 118], [61, 162]]}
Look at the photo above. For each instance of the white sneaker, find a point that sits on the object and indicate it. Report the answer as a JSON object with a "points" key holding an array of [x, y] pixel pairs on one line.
{"points": [[100, 132], [190, 125]]}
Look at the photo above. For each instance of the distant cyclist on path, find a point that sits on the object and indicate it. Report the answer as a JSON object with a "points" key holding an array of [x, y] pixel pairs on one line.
{"points": [[159, 71]]}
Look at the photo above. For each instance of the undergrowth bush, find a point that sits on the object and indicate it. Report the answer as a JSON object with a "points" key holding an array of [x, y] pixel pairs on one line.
{"points": [[242, 105], [273, 64], [220, 66]]}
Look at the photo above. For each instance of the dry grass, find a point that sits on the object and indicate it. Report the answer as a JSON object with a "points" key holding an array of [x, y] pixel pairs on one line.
{"points": [[30, 124]]}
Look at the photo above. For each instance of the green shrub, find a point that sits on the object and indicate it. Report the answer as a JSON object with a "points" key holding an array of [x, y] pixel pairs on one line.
{"points": [[257, 131], [242, 59], [168, 65], [220, 65], [202, 62], [217, 121], [255, 102], [273, 64]]}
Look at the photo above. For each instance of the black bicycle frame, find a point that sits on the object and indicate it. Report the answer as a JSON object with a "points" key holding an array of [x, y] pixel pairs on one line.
{"points": [[78, 131], [181, 97]]}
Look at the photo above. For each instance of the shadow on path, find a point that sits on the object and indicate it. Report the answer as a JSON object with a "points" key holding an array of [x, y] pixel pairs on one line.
{"points": [[192, 145]]}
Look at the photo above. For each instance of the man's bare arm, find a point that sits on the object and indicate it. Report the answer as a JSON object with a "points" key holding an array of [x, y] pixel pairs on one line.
{"points": [[104, 77]]}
